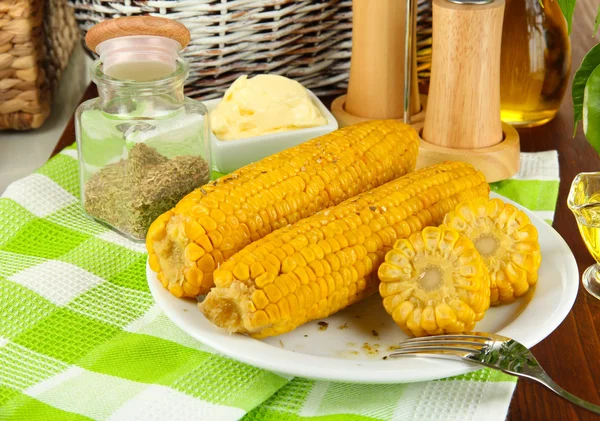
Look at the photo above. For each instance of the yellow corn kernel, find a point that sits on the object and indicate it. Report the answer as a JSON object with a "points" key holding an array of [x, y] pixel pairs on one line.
{"points": [[241, 271], [283, 189], [206, 263], [204, 242], [259, 299], [157, 231], [215, 238], [154, 263], [273, 292], [162, 279], [223, 278], [282, 284], [256, 269], [218, 259], [273, 312], [190, 289], [259, 319], [193, 252], [207, 223], [194, 230], [176, 290], [302, 274], [333, 258], [264, 279], [193, 276]]}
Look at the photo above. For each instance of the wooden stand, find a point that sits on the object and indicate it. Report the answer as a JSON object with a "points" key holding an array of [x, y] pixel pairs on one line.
{"points": [[497, 162], [463, 114], [376, 85], [344, 118]]}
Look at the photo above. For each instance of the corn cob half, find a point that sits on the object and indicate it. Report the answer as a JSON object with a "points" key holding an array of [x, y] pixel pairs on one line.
{"points": [[209, 225], [435, 282], [506, 239], [326, 262]]}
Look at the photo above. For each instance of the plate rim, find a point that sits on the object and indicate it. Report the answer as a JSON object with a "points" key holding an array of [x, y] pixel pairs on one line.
{"points": [[291, 363]]}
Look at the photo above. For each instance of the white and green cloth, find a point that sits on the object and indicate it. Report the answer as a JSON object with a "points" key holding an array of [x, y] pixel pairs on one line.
{"points": [[82, 339]]}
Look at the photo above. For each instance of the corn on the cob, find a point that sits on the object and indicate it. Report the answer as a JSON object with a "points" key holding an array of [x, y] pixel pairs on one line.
{"points": [[326, 262], [186, 244], [434, 282], [507, 241]]}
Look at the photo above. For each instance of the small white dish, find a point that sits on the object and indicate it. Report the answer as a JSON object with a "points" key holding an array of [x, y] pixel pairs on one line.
{"points": [[354, 353], [229, 155]]}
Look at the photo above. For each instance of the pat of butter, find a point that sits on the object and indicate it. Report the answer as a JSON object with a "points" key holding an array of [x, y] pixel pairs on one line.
{"points": [[264, 104]]}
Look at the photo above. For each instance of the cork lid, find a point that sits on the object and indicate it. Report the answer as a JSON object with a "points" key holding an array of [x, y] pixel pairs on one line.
{"points": [[137, 25]]}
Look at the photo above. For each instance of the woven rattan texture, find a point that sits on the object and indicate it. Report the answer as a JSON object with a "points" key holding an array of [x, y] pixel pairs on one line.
{"points": [[36, 41], [307, 40]]}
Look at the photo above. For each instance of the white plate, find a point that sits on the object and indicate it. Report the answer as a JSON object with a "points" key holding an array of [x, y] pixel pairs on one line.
{"points": [[340, 355], [230, 155]]}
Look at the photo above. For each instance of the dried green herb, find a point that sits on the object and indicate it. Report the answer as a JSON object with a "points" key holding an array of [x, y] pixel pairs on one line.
{"points": [[133, 192]]}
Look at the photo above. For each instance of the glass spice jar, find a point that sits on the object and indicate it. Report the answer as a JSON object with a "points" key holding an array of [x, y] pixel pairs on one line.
{"points": [[142, 144]]}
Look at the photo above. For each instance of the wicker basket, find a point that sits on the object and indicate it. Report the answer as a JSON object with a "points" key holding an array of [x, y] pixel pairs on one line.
{"points": [[36, 41], [308, 40]]}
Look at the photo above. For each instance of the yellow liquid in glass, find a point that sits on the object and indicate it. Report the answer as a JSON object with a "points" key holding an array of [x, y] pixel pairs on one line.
{"points": [[535, 62], [588, 221], [591, 238]]}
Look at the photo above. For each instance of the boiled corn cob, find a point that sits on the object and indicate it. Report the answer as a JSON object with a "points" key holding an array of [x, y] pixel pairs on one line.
{"points": [[506, 239], [209, 225], [328, 261], [434, 282]]}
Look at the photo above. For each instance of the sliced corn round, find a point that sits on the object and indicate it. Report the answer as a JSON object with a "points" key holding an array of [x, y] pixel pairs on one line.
{"points": [[434, 282], [507, 241]]}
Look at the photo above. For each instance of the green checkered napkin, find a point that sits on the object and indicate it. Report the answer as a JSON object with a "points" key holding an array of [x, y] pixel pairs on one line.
{"points": [[81, 337]]}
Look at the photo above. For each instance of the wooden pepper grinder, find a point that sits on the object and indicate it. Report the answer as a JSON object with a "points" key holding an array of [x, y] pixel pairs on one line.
{"points": [[377, 69], [463, 113]]}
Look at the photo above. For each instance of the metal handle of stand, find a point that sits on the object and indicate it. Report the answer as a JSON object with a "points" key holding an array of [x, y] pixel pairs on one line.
{"points": [[410, 33]]}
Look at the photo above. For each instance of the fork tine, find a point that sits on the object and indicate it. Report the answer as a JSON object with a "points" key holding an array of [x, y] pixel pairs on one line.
{"points": [[433, 349], [412, 344], [446, 337]]}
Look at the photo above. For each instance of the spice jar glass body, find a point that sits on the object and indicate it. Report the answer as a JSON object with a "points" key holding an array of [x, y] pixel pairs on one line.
{"points": [[142, 147], [535, 62]]}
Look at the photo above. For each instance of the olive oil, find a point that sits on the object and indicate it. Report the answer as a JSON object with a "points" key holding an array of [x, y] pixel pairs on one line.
{"points": [[535, 62], [584, 202], [591, 237], [588, 221]]}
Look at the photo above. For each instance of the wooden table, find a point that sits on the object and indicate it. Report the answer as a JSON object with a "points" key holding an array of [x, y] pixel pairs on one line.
{"points": [[570, 354]]}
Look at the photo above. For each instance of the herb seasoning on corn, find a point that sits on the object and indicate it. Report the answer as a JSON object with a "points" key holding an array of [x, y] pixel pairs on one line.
{"points": [[187, 243], [328, 261]]}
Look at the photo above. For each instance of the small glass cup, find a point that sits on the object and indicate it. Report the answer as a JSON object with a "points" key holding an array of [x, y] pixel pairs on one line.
{"points": [[584, 202]]}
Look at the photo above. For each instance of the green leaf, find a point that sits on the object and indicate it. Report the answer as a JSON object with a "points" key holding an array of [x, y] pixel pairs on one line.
{"points": [[591, 109], [589, 63], [597, 21], [567, 7]]}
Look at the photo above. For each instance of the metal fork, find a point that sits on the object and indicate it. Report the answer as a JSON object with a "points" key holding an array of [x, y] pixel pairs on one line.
{"points": [[491, 350]]}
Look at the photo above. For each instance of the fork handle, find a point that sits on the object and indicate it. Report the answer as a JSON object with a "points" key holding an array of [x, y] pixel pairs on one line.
{"points": [[544, 379]]}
